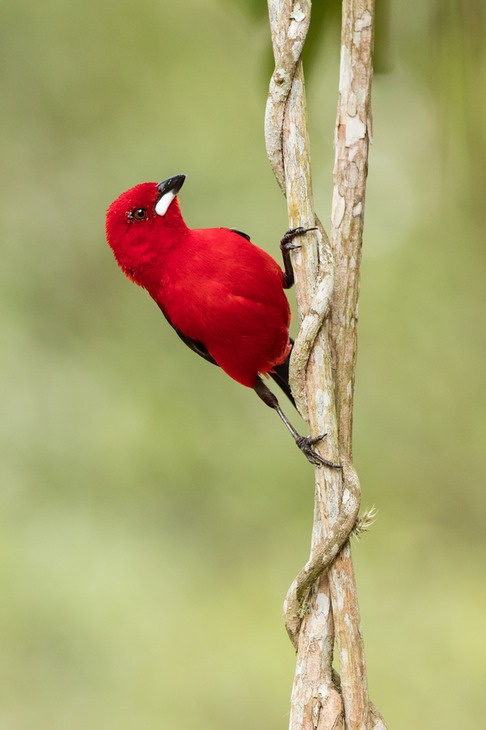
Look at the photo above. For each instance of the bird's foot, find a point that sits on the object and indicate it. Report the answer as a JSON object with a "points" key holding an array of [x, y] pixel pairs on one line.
{"points": [[287, 244], [305, 444]]}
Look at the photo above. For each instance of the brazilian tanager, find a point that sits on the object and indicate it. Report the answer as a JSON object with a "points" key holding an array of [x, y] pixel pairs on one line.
{"points": [[223, 295]]}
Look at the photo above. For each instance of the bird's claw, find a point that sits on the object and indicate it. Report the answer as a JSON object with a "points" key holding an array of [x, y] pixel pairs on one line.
{"points": [[286, 244], [305, 444]]}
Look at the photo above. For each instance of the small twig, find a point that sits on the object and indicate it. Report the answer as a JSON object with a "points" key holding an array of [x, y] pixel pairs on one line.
{"points": [[364, 522]]}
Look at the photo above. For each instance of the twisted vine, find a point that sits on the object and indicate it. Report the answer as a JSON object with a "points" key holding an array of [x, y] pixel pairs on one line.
{"points": [[288, 47], [336, 536]]}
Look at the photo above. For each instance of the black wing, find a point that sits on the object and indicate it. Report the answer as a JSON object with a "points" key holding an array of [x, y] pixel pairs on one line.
{"points": [[194, 345], [240, 233]]}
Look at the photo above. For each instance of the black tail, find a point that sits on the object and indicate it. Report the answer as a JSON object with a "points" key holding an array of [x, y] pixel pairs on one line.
{"points": [[280, 374]]}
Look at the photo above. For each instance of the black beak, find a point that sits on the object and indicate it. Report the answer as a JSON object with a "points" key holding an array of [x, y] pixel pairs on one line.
{"points": [[171, 185]]}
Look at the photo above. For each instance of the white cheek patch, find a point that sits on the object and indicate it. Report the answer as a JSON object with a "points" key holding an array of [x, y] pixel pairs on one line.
{"points": [[164, 202]]}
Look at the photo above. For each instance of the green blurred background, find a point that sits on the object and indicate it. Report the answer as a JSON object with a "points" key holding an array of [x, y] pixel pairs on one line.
{"points": [[153, 512]]}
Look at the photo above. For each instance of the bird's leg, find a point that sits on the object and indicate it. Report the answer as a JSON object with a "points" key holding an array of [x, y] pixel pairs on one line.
{"points": [[305, 443], [286, 246]]}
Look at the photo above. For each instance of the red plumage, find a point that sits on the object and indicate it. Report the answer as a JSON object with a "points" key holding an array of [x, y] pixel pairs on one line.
{"points": [[213, 285], [223, 295]]}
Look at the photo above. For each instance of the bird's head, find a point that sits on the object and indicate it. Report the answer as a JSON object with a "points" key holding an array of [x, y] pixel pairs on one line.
{"points": [[142, 222]]}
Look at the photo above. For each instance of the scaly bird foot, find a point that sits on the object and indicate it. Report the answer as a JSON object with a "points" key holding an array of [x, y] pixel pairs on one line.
{"points": [[286, 244], [305, 444]]}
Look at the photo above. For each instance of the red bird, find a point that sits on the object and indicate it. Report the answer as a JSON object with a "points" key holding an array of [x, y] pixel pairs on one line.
{"points": [[223, 295]]}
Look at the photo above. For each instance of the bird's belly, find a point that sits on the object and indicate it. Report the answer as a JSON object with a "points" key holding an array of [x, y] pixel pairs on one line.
{"points": [[245, 331]]}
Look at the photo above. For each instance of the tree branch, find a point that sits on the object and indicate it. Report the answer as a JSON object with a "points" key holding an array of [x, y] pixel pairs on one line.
{"points": [[319, 698], [351, 163]]}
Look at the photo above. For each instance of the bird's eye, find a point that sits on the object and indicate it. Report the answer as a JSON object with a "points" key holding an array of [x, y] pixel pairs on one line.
{"points": [[137, 214]]}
